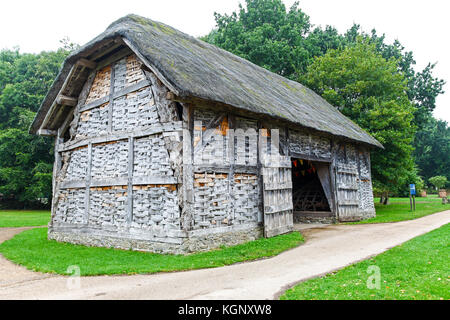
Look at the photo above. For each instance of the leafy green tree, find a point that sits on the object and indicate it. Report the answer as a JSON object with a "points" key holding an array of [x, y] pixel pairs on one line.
{"points": [[372, 92], [438, 181], [422, 87], [25, 160], [266, 34], [432, 148]]}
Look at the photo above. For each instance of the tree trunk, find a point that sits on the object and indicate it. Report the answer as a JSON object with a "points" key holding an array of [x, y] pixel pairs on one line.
{"points": [[386, 198]]}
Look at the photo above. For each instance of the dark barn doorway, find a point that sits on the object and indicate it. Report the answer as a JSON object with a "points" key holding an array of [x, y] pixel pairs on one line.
{"points": [[311, 192]]}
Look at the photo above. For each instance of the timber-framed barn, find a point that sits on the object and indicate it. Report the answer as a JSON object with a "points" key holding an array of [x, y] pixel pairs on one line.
{"points": [[165, 143]]}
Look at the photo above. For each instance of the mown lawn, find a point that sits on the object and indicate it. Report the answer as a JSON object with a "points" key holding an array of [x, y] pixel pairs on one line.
{"points": [[399, 209], [416, 270], [23, 218], [32, 250]]}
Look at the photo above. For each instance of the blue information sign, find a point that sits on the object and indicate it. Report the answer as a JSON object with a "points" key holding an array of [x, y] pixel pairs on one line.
{"points": [[412, 189]]}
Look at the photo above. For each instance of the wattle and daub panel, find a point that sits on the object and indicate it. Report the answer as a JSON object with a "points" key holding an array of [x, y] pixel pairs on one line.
{"points": [[226, 186]]}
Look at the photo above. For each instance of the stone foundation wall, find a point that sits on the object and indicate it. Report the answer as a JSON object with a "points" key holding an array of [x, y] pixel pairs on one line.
{"points": [[189, 243], [313, 219]]}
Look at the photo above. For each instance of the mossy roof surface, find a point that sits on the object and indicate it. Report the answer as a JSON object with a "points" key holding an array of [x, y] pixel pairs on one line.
{"points": [[197, 69]]}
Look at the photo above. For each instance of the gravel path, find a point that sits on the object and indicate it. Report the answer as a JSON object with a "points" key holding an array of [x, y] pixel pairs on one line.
{"points": [[326, 249]]}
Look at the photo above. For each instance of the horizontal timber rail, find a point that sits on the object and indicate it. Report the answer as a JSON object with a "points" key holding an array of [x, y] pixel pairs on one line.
{"points": [[118, 94], [119, 181], [308, 157], [123, 135], [226, 169]]}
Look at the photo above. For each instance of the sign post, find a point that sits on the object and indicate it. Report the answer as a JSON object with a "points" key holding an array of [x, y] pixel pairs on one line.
{"points": [[412, 197]]}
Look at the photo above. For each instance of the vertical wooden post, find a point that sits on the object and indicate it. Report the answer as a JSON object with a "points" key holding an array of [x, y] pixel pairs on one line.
{"points": [[230, 154], [260, 175], [188, 171], [88, 182], [333, 175], [56, 169], [286, 147], [130, 180], [111, 100]]}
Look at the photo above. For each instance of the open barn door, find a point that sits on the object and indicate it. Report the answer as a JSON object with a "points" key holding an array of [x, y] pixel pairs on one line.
{"points": [[347, 192], [278, 206]]}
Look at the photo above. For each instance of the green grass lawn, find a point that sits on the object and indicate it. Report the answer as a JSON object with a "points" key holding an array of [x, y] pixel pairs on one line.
{"points": [[32, 250], [416, 270], [23, 218], [399, 209]]}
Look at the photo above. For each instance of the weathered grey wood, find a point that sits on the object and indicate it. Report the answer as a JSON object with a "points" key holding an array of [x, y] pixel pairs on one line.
{"points": [[68, 101], [260, 175], [130, 179], [348, 203], [95, 104], [309, 157], [271, 186], [122, 135], [119, 181], [347, 197], [277, 231], [88, 181], [73, 184], [230, 157], [154, 180], [101, 50], [286, 142], [56, 171], [46, 132], [132, 88], [87, 63], [226, 169], [333, 176], [54, 104], [188, 171], [111, 100], [166, 108], [59, 115], [345, 186], [278, 204], [113, 58], [72, 125]]}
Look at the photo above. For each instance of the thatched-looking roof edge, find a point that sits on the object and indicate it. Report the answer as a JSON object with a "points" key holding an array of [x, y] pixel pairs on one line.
{"points": [[138, 32]]}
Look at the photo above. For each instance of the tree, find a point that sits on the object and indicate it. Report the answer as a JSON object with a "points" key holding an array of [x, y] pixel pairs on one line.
{"points": [[423, 87], [438, 181], [371, 91], [266, 34], [25, 160], [432, 148]]}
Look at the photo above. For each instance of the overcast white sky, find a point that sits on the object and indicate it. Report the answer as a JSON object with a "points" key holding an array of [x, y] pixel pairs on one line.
{"points": [[421, 26]]}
